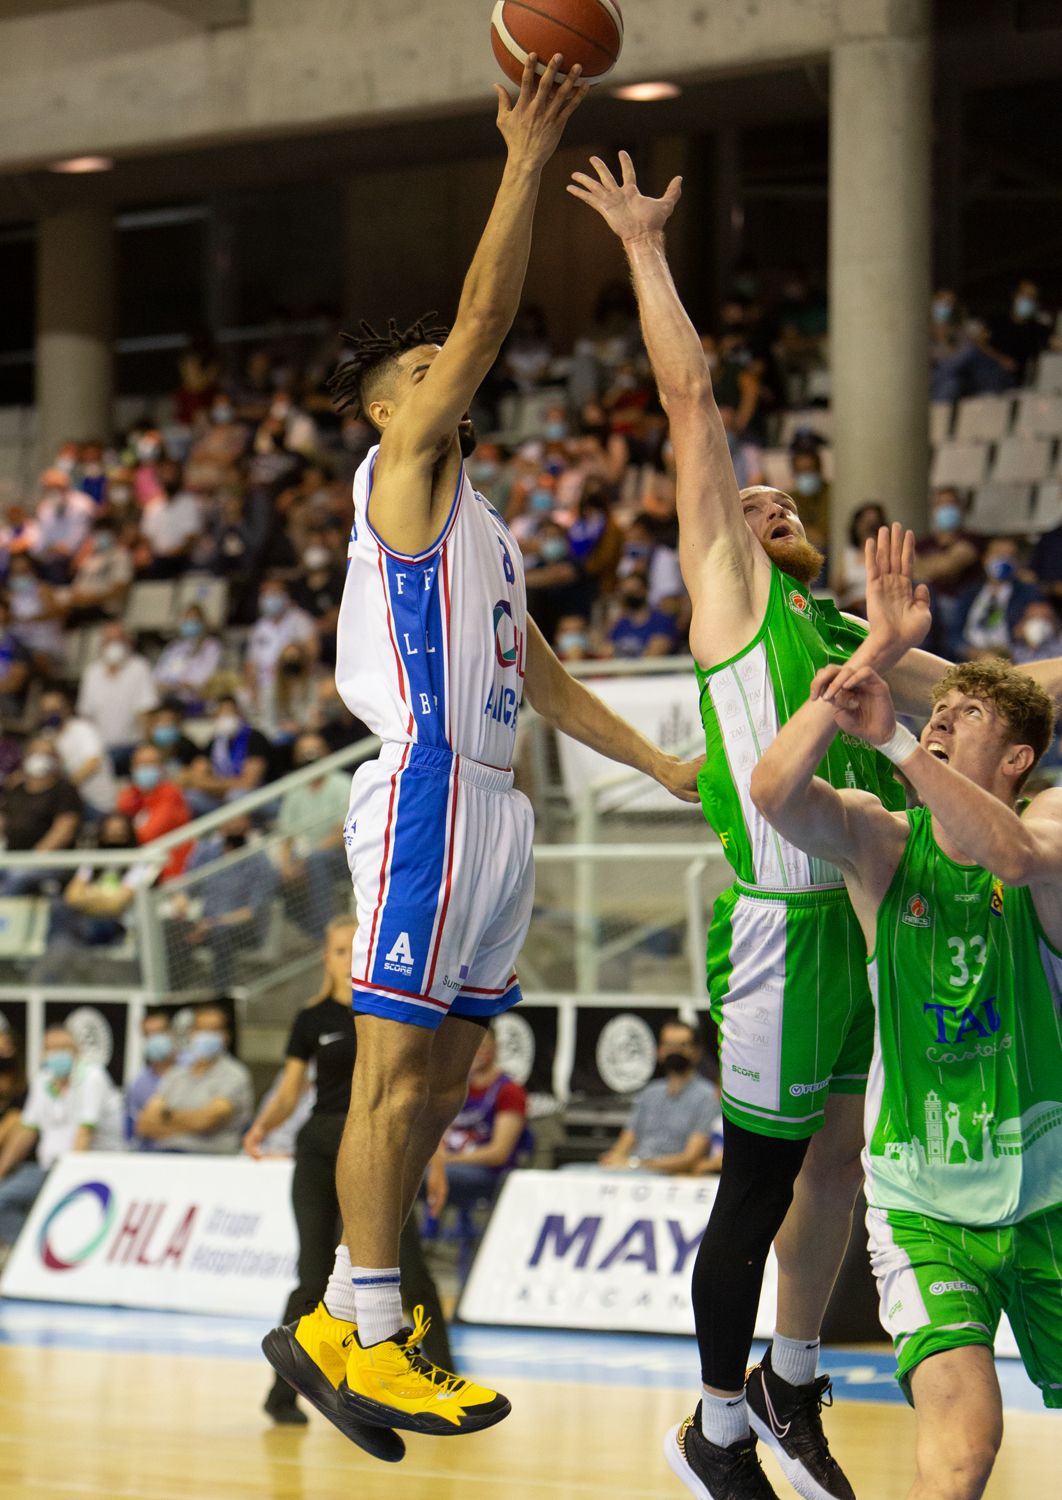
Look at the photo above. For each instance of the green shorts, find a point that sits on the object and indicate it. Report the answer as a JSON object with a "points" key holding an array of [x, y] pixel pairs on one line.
{"points": [[946, 1287], [787, 984]]}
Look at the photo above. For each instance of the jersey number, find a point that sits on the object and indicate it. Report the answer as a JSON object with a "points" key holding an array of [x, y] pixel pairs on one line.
{"points": [[961, 977], [507, 563]]}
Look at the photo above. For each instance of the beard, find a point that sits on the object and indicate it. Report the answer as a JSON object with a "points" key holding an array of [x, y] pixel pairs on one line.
{"points": [[796, 557], [466, 437]]}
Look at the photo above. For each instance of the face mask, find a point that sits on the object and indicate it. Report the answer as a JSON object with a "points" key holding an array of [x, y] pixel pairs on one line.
{"points": [[553, 549], [1038, 630], [165, 735], [308, 760], [7, 1064], [235, 840], [158, 1047], [38, 765], [115, 653], [571, 640], [633, 600], [147, 450], [316, 558], [541, 502], [674, 1063], [147, 778], [206, 1045], [119, 494], [191, 629], [59, 1064], [291, 668], [272, 605], [103, 541], [53, 721], [636, 552], [484, 471], [808, 484], [1000, 569], [227, 725], [947, 517], [1024, 307], [66, 464], [555, 432], [221, 414], [22, 583], [941, 311]]}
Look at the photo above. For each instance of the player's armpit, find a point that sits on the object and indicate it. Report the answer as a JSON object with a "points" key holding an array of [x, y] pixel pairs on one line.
{"points": [[1037, 859]]}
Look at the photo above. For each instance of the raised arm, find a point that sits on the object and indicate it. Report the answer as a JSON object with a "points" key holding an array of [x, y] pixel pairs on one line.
{"points": [[713, 536]]}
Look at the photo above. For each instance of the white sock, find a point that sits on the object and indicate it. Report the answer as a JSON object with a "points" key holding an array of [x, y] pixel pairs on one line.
{"points": [[378, 1301], [724, 1419], [794, 1360], [339, 1294]]}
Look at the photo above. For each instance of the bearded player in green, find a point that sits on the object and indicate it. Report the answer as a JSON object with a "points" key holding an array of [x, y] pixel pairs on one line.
{"points": [[786, 972], [960, 902]]}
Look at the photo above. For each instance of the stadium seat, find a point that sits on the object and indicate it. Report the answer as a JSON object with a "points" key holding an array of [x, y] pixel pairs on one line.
{"points": [[960, 466], [1022, 461], [211, 594], [1002, 509], [941, 415], [1049, 374], [151, 606], [1047, 505], [982, 419], [1038, 416]]}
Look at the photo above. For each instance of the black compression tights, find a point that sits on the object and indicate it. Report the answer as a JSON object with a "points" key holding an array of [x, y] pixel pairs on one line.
{"points": [[755, 1191]]}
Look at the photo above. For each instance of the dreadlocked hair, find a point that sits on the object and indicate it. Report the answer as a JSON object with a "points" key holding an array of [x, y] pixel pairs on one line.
{"points": [[371, 352]]}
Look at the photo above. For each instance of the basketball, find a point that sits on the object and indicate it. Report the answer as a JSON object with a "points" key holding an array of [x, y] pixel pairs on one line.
{"points": [[589, 32]]}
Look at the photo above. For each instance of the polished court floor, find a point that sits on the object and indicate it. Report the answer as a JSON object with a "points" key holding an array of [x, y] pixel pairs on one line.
{"points": [[98, 1403]]}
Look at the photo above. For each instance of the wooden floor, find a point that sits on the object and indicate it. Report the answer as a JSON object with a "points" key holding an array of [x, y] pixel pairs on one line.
{"points": [[146, 1427]]}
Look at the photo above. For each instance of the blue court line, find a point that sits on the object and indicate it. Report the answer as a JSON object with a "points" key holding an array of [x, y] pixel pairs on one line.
{"points": [[496, 1354]]}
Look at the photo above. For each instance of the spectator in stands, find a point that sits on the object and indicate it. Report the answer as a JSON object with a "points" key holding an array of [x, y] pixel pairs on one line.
{"points": [[810, 487], [595, 539], [295, 696], [40, 811], [160, 1055], [961, 361], [556, 584], [527, 354], [849, 582], [212, 457], [675, 1118], [72, 1106], [312, 856], [235, 764], [94, 909], [281, 628], [156, 804], [572, 640], [948, 558], [203, 1105], [166, 730], [235, 900], [117, 693], [1045, 563], [1021, 337], [15, 666], [36, 614], [318, 592], [171, 524], [102, 574], [64, 518], [187, 664], [12, 1083], [82, 756], [638, 630], [92, 477], [1037, 635], [490, 1134], [988, 613]]}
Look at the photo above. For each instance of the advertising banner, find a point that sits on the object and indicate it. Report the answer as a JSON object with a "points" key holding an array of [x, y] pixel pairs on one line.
{"points": [[665, 709], [201, 1234]]}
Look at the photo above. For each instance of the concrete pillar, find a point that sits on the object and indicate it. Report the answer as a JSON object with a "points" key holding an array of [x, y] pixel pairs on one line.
{"points": [[880, 170], [75, 327]]}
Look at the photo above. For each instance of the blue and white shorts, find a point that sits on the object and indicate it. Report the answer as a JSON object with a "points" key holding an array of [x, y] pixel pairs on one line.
{"points": [[440, 853]]}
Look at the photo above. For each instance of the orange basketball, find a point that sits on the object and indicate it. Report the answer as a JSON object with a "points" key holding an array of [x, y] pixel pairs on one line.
{"points": [[589, 32]]}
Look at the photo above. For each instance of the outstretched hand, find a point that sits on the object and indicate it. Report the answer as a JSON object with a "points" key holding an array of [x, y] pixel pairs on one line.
{"points": [[534, 124], [626, 211], [897, 609]]}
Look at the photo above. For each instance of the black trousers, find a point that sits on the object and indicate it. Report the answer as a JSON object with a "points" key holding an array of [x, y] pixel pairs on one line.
{"points": [[317, 1218]]}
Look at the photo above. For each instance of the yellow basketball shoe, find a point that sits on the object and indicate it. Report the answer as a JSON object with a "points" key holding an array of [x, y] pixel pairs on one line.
{"points": [[311, 1355], [392, 1383]]}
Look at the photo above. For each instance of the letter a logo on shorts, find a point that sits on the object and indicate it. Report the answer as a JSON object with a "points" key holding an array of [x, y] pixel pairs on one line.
{"points": [[400, 957], [917, 913]]}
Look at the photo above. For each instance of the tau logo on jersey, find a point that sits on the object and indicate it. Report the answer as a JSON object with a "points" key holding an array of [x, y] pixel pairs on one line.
{"points": [[995, 906], [798, 602], [917, 913], [399, 958]]}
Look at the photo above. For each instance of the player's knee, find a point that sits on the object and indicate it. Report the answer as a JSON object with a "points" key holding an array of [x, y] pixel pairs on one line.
{"points": [[959, 1474], [444, 1103], [836, 1174], [389, 1095]]}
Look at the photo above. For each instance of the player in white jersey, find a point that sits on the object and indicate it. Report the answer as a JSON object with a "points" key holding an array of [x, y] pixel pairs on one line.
{"points": [[435, 652]]}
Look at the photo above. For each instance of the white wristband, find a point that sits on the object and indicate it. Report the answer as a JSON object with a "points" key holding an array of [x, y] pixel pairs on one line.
{"points": [[900, 747]]}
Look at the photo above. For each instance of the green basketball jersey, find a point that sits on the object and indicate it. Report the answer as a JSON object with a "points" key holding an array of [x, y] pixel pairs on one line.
{"points": [[964, 1102], [744, 702]]}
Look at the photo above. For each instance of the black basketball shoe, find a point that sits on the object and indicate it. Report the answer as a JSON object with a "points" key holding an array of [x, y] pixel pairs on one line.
{"points": [[713, 1473], [789, 1420]]}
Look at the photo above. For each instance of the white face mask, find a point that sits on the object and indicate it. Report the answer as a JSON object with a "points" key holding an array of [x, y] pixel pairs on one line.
{"points": [[227, 725], [1038, 630], [38, 765], [114, 653]]}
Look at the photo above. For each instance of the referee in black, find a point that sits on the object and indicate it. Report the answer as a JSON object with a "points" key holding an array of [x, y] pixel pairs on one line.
{"points": [[323, 1033]]}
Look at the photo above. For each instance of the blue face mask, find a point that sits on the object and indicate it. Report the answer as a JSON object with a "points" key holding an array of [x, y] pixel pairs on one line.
{"points": [[571, 640], [542, 502], [158, 1047], [206, 1045], [553, 549], [947, 517], [942, 310], [273, 604], [59, 1064], [147, 778], [1000, 569], [555, 432], [165, 735], [1024, 307], [808, 483], [190, 629]]}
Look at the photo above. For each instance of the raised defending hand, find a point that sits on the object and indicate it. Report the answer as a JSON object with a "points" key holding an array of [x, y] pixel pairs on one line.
{"points": [[897, 610], [626, 211], [533, 126], [863, 707]]}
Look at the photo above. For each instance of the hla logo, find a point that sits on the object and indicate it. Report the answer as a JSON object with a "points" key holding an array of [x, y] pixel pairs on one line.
{"points": [[798, 602], [399, 959], [917, 913]]}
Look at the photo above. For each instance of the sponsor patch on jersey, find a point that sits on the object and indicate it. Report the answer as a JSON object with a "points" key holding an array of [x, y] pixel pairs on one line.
{"points": [[917, 913], [995, 906], [745, 1072], [942, 1288], [798, 1090], [799, 602], [968, 896]]}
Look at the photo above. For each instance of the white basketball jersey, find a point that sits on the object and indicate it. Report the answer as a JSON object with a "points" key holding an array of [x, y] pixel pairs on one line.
{"points": [[431, 649]]}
